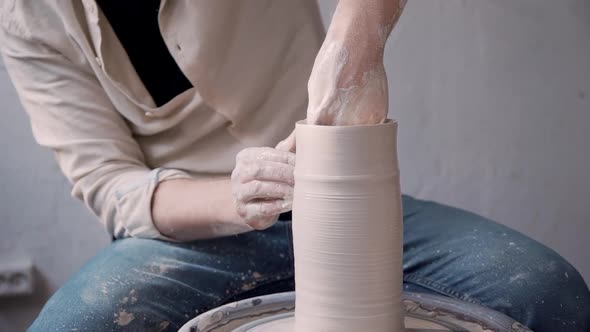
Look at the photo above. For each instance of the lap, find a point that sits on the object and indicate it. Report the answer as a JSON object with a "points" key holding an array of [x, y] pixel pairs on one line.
{"points": [[149, 285], [460, 254], [144, 285]]}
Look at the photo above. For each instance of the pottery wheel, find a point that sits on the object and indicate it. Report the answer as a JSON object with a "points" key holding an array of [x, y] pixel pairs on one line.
{"points": [[423, 313]]}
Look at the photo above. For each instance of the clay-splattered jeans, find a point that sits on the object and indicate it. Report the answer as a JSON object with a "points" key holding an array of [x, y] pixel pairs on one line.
{"points": [[149, 285]]}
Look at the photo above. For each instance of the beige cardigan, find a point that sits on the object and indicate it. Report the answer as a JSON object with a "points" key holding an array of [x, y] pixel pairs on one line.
{"points": [[248, 60]]}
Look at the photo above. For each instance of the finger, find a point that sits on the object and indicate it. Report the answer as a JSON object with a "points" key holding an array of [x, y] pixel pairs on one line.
{"points": [[257, 190], [258, 211], [278, 156], [264, 223], [268, 154], [267, 171], [288, 144]]}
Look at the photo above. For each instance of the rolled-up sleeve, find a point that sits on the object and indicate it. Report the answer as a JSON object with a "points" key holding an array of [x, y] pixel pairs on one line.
{"points": [[71, 114]]}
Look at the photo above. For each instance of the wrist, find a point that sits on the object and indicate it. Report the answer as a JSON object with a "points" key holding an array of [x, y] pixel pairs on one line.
{"points": [[225, 208], [361, 22], [188, 209]]}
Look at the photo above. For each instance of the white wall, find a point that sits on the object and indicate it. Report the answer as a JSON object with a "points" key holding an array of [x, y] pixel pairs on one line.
{"points": [[38, 218], [493, 100]]}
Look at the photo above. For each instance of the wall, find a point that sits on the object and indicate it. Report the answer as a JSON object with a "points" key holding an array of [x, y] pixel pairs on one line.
{"points": [[493, 100], [38, 218]]}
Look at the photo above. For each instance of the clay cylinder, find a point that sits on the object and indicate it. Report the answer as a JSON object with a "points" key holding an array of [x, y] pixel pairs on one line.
{"points": [[347, 229]]}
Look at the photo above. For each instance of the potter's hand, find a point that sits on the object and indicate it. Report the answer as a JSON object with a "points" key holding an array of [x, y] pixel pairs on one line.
{"points": [[262, 185], [348, 85], [345, 89]]}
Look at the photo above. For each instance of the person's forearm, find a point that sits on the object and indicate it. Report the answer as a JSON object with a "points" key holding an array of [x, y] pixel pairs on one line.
{"points": [[186, 210], [348, 82], [367, 21], [362, 29]]}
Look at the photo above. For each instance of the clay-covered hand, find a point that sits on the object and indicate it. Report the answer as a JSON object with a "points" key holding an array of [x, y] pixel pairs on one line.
{"points": [[348, 85], [345, 88], [262, 185]]}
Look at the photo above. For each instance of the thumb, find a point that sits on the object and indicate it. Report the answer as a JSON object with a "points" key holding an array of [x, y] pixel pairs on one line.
{"points": [[288, 144]]}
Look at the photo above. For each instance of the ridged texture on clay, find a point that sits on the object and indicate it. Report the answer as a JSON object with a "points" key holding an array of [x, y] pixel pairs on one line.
{"points": [[347, 229]]}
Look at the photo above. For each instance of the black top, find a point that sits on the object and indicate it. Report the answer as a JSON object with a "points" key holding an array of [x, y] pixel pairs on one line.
{"points": [[136, 24]]}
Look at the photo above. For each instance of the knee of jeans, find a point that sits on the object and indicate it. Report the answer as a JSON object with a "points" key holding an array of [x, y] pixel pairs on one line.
{"points": [[526, 280], [106, 305], [552, 295], [96, 305]]}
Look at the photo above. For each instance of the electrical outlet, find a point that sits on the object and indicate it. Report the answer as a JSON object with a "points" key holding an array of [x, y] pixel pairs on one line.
{"points": [[16, 278]]}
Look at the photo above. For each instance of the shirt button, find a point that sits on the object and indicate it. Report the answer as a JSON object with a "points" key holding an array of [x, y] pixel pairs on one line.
{"points": [[178, 48], [149, 114]]}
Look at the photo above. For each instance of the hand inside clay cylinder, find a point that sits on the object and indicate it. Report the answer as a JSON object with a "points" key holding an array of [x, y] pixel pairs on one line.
{"points": [[348, 83]]}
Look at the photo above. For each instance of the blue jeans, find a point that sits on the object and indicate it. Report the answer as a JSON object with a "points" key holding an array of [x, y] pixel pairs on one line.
{"points": [[149, 285]]}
